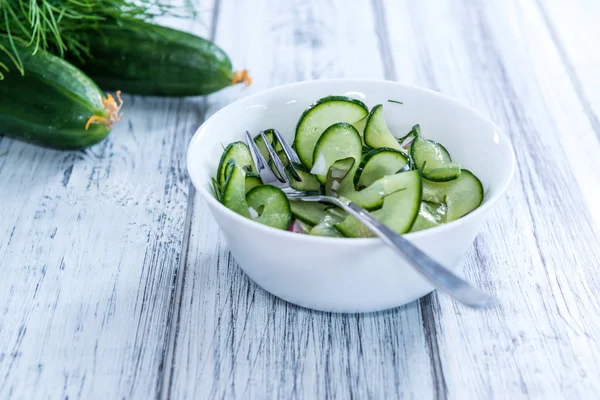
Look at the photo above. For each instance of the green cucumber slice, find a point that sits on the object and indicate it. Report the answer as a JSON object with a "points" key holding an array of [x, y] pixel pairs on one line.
{"points": [[427, 151], [446, 173], [360, 128], [430, 215], [433, 160], [325, 229], [271, 205], [339, 141], [399, 211], [314, 213], [378, 163], [373, 196], [252, 180], [321, 115], [377, 133], [339, 176], [238, 153], [234, 191], [414, 132], [216, 188], [462, 195], [308, 184]]}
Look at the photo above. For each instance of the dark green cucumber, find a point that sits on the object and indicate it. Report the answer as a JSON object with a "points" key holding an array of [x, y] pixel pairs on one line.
{"points": [[377, 134], [321, 115], [271, 206], [51, 102], [157, 61], [461, 195], [378, 163]]}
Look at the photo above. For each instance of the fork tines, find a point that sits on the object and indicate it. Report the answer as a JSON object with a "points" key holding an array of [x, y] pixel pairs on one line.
{"points": [[262, 165]]}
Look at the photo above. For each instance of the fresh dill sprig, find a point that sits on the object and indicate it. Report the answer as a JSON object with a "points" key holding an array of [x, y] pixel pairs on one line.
{"points": [[62, 26]]}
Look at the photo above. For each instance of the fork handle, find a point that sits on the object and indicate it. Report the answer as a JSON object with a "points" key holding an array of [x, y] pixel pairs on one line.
{"points": [[437, 274]]}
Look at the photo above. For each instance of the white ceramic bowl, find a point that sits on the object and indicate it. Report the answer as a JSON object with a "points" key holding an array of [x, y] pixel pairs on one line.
{"points": [[339, 274]]}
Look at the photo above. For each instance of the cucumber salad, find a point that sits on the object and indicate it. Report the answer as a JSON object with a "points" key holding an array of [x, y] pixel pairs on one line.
{"points": [[409, 183]]}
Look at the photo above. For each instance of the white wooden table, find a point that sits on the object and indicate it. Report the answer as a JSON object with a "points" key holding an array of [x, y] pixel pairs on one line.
{"points": [[115, 282]]}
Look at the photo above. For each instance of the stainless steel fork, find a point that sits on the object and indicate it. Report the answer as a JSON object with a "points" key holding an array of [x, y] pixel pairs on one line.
{"points": [[437, 274]]}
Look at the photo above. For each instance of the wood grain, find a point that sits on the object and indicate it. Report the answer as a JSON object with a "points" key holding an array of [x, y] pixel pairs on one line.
{"points": [[117, 283], [540, 249], [233, 339], [90, 247]]}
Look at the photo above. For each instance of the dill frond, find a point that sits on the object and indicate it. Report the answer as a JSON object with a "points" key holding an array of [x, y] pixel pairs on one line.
{"points": [[62, 26]]}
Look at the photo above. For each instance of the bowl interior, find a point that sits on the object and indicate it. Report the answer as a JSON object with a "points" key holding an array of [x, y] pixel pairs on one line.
{"points": [[472, 140]]}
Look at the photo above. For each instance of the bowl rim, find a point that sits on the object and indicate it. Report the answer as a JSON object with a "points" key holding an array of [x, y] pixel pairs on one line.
{"points": [[441, 229]]}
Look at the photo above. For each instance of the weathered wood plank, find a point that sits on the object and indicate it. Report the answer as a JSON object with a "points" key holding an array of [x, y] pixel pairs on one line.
{"points": [[233, 339], [539, 251], [574, 28], [89, 246]]}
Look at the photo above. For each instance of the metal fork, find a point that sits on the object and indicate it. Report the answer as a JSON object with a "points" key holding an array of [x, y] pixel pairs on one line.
{"points": [[437, 274]]}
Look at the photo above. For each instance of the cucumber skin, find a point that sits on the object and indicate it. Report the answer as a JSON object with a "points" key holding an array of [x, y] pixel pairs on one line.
{"points": [[156, 61], [367, 157], [309, 110], [50, 104]]}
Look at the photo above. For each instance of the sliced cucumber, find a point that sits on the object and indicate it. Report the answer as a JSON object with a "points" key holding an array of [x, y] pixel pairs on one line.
{"points": [[339, 176], [410, 136], [378, 163], [399, 211], [321, 115], [360, 127], [433, 160], [337, 212], [314, 213], [442, 174], [373, 196], [234, 191], [271, 205], [427, 151], [238, 153], [461, 195], [325, 229], [377, 133], [216, 188], [309, 183], [339, 141], [430, 215], [252, 180], [410, 184]]}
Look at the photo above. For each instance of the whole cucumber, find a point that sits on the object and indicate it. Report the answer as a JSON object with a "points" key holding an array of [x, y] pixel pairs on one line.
{"points": [[51, 103], [157, 61]]}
